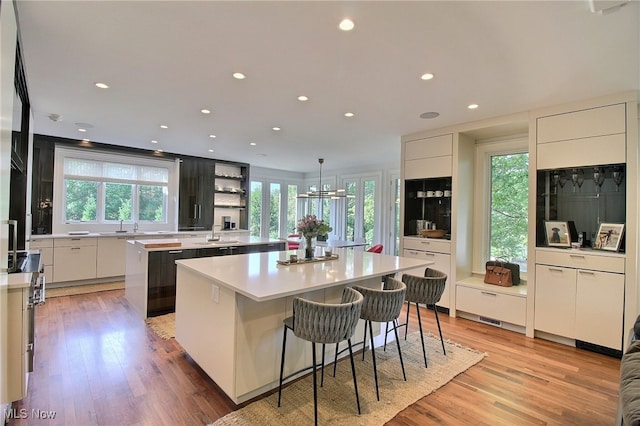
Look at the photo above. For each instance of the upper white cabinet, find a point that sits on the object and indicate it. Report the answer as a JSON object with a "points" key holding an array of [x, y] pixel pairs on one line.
{"points": [[581, 138], [428, 157]]}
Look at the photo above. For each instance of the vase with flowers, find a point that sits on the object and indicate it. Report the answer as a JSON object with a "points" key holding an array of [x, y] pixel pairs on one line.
{"points": [[311, 227]]}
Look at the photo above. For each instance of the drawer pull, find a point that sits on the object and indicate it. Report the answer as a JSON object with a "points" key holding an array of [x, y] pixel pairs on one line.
{"points": [[581, 256], [556, 270], [586, 272], [175, 251], [425, 242], [429, 254], [75, 248], [488, 293]]}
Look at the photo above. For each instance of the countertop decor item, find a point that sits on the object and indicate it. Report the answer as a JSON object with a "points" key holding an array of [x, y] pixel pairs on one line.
{"points": [[433, 233], [310, 227]]}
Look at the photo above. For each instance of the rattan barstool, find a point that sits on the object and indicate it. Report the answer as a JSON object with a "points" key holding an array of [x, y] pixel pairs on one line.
{"points": [[323, 323], [428, 291], [382, 306]]}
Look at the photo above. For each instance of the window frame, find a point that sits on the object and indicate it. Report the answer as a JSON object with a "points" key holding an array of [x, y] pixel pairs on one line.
{"points": [[485, 149], [59, 224]]}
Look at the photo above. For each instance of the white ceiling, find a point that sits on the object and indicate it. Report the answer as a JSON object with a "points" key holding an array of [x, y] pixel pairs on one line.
{"points": [[166, 60]]}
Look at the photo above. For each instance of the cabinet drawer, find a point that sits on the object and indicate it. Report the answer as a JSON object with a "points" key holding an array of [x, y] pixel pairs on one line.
{"points": [[581, 260], [41, 243], [587, 123], [494, 305], [427, 244], [428, 167], [436, 146], [442, 263], [75, 242], [74, 263], [609, 149]]}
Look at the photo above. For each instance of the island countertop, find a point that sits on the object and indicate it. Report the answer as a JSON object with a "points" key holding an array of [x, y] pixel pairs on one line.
{"points": [[198, 243], [259, 277]]}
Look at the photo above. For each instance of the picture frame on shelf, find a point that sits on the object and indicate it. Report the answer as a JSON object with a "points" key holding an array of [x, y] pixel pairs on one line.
{"points": [[557, 233], [609, 236]]}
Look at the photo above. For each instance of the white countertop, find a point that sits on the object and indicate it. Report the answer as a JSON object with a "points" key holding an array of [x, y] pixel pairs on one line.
{"points": [[258, 276], [135, 234], [17, 280], [197, 243]]}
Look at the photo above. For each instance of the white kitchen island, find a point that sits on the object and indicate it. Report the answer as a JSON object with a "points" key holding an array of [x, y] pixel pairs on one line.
{"points": [[229, 310]]}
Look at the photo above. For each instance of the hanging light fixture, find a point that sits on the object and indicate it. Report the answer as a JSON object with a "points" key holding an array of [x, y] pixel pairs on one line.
{"points": [[321, 194]]}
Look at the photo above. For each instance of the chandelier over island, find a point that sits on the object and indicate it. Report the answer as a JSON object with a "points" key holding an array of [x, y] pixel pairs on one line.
{"points": [[321, 194]]}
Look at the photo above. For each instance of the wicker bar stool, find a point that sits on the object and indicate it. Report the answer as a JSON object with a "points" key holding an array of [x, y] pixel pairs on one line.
{"points": [[428, 291], [382, 306], [323, 323]]}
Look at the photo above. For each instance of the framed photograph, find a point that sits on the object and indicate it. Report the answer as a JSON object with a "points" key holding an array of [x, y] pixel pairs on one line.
{"points": [[609, 236], [557, 233]]}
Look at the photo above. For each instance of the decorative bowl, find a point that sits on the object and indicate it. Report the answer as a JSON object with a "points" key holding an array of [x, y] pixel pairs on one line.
{"points": [[432, 233]]}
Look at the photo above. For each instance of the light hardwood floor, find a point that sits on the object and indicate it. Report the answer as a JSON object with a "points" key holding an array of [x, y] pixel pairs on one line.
{"points": [[98, 364]]}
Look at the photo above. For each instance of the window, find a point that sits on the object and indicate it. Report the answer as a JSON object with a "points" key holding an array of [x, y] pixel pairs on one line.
{"points": [[292, 208], [104, 188], [507, 213], [274, 210], [255, 209], [361, 216]]}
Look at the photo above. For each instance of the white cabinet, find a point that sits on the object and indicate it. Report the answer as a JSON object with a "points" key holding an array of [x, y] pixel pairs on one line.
{"points": [[555, 300], [440, 256], [45, 247], [580, 296], [75, 259], [18, 347], [111, 260], [429, 157], [599, 302], [593, 136], [508, 304]]}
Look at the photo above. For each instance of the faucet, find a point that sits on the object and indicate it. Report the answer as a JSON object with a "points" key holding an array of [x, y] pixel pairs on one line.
{"points": [[213, 232], [135, 226], [120, 225]]}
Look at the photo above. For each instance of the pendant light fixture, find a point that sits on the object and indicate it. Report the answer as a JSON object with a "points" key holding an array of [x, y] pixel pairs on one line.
{"points": [[321, 194]]}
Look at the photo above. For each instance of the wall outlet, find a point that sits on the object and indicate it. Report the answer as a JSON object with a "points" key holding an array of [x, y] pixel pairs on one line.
{"points": [[215, 293]]}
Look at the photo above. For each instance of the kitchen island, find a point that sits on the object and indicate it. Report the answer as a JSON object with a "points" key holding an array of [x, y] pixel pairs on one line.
{"points": [[150, 280], [229, 311]]}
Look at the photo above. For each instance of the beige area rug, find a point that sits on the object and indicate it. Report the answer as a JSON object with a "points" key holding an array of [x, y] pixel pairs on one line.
{"points": [[83, 289], [163, 325], [336, 400]]}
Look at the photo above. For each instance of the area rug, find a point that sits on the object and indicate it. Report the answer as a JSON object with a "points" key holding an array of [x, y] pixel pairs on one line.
{"points": [[163, 325], [82, 289], [336, 400]]}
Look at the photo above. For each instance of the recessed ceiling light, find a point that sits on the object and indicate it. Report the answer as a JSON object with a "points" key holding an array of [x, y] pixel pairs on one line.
{"points": [[212, 136], [252, 143], [84, 125], [210, 150], [85, 140], [164, 126], [205, 111], [82, 130], [349, 114], [303, 98], [160, 150], [346, 24], [239, 76], [430, 114], [102, 85], [154, 141], [276, 128], [427, 76], [473, 106]]}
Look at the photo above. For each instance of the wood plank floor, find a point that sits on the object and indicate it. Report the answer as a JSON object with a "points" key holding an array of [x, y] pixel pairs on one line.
{"points": [[98, 364]]}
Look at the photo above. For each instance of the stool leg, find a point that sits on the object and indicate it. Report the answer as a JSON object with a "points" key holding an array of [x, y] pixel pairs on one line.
{"points": [[400, 353], [335, 360], [424, 353], [373, 356], [284, 343], [315, 387], [406, 329], [322, 374], [353, 371], [435, 309], [386, 332], [364, 340]]}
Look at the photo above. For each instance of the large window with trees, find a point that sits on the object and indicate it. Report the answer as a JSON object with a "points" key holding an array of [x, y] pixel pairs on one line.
{"points": [[105, 190]]}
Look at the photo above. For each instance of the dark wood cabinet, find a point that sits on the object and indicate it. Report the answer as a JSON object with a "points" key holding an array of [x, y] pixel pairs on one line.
{"points": [[195, 205], [161, 287]]}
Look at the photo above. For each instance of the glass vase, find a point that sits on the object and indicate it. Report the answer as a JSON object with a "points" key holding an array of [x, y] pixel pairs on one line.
{"points": [[309, 248]]}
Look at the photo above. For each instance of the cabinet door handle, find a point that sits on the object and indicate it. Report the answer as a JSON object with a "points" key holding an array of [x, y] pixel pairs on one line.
{"points": [[555, 270], [488, 294], [175, 251], [429, 254], [580, 271], [75, 248], [425, 242], [195, 211], [412, 252], [581, 256]]}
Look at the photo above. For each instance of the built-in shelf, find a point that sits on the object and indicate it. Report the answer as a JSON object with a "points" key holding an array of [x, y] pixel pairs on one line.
{"points": [[477, 281]]}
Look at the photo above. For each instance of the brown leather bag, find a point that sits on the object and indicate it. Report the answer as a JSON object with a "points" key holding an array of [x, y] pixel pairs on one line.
{"points": [[498, 275]]}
